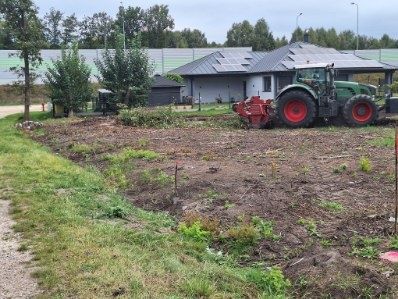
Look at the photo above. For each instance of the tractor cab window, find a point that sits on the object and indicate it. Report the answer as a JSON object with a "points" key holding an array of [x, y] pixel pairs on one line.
{"points": [[310, 75]]}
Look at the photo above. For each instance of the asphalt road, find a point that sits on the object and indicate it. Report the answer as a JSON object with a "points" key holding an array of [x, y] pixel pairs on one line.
{"points": [[8, 110]]}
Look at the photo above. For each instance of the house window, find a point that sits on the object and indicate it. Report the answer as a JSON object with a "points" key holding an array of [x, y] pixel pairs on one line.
{"points": [[267, 84]]}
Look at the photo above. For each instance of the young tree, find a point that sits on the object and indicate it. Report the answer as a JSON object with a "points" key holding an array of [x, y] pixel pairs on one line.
{"points": [[133, 19], [68, 80], [52, 28], [263, 40], [95, 31], [240, 35], [126, 73], [26, 31], [70, 33], [194, 38], [157, 22]]}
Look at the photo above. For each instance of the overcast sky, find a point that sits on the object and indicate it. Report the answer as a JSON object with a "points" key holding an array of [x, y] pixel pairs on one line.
{"points": [[215, 17]]}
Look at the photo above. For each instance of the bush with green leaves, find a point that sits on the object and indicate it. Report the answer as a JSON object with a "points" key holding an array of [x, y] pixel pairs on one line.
{"points": [[150, 117], [175, 77], [127, 73], [68, 80]]}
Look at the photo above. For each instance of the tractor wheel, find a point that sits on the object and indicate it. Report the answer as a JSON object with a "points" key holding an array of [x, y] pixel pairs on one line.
{"points": [[360, 111], [296, 109]]}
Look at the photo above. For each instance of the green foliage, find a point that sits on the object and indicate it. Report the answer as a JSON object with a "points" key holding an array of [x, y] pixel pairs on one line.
{"points": [[194, 231], [127, 73], [82, 148], [24, 29], [341, 168], [394, 242], [244, 234], [385, 141], [175, 77], [117, 212], [68, 80], [365, 164], [129, 154], [266, 228], [155, 178], [365, 247], [310, 226], [144, 117], [271, 282], [332, 206]]}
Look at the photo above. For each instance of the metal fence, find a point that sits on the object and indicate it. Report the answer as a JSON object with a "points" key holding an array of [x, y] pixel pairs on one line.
{"points": [[163, 60], [388, 56]]}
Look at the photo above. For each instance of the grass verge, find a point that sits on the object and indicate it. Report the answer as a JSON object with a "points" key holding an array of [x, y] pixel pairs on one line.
{"points": [[88, 242]]}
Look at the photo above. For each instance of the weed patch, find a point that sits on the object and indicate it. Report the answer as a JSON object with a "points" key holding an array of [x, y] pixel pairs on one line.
{"points": [[331, 206], [310, 226], [365, 247], [155, 178], [365, 164]]}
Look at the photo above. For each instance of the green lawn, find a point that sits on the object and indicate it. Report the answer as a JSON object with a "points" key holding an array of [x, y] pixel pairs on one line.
{"points": [[90, 243]]}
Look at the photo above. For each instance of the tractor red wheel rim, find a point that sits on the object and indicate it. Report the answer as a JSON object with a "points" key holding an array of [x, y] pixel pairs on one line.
{"points": [[362, 112], [295, 110]]}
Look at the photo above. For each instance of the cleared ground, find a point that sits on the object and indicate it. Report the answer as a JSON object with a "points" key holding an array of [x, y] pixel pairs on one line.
{"points": [[328, 192]]}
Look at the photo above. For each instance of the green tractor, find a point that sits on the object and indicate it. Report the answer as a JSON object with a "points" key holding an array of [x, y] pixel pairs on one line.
{"points": [[316, 95]]}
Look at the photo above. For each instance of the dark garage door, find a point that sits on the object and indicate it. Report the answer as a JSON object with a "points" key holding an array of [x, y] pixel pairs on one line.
{"points": [[164, 96]]}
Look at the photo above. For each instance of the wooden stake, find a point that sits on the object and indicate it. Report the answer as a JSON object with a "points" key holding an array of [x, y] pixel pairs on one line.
{"points": [[396, 179], [175, 178]]}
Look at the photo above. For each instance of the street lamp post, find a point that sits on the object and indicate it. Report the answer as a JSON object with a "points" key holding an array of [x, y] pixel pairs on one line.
{"points": [[124, 29], [356, 4], [297, 19]]}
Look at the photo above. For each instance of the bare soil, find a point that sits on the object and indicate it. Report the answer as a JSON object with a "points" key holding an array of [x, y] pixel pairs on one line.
{"points": [[280, 175]]}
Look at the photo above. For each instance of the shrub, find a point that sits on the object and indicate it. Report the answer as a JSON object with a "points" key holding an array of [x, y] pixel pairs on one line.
{"points": [[69, 80], [246, 234], [211, 225], [145, 117], [394, 242]]}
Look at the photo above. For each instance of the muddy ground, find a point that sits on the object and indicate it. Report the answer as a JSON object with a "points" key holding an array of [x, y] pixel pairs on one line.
{"points": [[287, 176]]}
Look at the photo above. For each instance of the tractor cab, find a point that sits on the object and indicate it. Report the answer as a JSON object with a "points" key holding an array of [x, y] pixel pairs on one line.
{"points": [[319, 77]]}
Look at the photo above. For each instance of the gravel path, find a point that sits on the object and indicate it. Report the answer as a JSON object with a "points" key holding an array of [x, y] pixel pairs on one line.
{"points": [[15, 275], [8, 110]]}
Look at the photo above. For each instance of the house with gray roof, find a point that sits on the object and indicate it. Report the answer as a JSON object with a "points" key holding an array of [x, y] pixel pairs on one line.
{"points": [[237, 75]]}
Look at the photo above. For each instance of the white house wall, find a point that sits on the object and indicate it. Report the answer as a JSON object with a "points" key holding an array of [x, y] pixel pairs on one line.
{"points": [[211, 88], [255, 87]]}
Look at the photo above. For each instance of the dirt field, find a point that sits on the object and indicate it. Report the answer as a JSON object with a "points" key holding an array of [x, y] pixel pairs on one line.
{"points": [[331, 217]]}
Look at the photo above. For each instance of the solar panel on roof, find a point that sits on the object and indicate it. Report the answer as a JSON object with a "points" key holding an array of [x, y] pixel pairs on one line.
{"points": [[233, 61], [236, 54], [221, 68]]}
